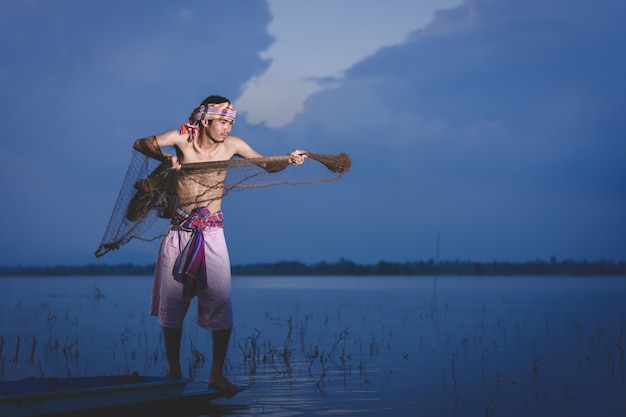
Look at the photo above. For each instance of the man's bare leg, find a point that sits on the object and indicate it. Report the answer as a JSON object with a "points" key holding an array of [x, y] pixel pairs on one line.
{"points": [[172, 351], [217, 380]]}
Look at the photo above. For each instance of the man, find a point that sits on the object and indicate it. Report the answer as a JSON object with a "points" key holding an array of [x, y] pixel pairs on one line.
{"points": [[193, 257]]}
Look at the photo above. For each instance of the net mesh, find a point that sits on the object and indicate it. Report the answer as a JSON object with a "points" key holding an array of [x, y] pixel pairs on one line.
{"points": [[151, 192]]}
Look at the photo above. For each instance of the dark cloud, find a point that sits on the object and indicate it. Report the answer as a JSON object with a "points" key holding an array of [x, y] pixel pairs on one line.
{"points": [[82, 80], [499, 125]]}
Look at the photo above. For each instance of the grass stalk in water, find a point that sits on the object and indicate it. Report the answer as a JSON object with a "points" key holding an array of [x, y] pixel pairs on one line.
{"points": [[16, 355], [31, 356]]}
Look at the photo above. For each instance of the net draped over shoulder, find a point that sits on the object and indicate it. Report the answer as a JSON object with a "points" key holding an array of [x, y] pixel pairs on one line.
{"points": [[150, 191]]}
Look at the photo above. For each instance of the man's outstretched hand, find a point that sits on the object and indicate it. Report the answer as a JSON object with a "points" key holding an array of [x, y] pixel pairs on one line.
{"points": [[297, 157]]}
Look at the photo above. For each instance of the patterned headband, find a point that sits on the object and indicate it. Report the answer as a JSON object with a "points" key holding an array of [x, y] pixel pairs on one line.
{"points": [[207, 112], [213, 111]]}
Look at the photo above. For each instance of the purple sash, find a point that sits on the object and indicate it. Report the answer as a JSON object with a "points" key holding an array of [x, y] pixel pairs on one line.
{"points": [[190, 266]]}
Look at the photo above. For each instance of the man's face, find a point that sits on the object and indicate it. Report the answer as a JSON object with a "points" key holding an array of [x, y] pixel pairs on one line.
{"points": [[219, 129]]}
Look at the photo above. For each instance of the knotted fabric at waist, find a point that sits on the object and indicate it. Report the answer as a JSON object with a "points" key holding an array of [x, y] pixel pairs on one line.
{"points": [[190, 266], [200, 218]]}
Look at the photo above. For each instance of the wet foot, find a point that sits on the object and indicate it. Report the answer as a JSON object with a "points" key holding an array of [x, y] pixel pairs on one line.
{"points": [[174, 374], [224, 385]]}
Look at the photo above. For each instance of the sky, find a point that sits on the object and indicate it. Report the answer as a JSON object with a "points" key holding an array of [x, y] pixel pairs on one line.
{"points": [[479, 130]]}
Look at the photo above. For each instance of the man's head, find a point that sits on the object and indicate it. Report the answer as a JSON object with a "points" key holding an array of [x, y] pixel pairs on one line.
{"points": [[213, 107]]}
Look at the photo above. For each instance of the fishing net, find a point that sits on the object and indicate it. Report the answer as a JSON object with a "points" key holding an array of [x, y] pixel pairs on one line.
{"points": [[151, 191]]}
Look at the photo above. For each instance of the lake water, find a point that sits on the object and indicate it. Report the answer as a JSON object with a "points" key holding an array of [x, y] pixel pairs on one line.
{"points": [[347, 346]]}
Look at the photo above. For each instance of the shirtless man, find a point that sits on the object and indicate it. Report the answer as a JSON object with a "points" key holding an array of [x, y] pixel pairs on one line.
{"points": [[205, 138]]}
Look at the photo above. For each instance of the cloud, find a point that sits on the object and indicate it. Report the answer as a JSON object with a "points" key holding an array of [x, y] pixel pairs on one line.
{"points": [[317, 42], [83, 82], [491, 125]]}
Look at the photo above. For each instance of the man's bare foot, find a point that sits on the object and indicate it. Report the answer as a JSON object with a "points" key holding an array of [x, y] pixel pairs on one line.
{"points": [[174, 374], [224, 385]]}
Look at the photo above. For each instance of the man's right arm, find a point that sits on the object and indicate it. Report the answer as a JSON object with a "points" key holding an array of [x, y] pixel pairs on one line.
{"points": [[151, 147]]}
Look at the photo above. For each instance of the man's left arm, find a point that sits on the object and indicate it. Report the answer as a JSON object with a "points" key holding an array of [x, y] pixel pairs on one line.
{"points": [[242, 148]]}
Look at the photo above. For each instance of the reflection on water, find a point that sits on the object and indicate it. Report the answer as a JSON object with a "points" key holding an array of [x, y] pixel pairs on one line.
{"points": [[366, 346]]}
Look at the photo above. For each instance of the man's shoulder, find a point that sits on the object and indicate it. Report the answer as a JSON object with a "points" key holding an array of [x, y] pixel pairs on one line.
{"points": [[235, 143], [238, 146], [172, 137], [235, 140], [173, 133]]}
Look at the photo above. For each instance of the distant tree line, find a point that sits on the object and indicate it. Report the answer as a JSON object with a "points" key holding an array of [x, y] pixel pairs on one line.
{"points": [[346, 267], [430, 267]]}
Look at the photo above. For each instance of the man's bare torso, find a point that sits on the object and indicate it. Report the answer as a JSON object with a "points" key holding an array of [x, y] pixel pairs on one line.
{"points": [[204, 187]]}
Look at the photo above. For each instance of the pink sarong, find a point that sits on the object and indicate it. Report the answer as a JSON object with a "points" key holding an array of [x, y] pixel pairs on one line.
{"points": [[214, 302]]}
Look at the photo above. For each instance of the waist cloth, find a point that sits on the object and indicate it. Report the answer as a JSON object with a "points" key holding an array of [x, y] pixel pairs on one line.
{"points": [[190, 266]]}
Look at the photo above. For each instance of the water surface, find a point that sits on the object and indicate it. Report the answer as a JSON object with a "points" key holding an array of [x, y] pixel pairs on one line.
{"points": [[366, 346]]}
